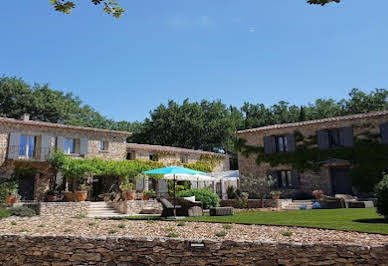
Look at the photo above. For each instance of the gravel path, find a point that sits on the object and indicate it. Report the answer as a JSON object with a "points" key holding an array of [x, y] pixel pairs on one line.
{"points": [[89, 226]]}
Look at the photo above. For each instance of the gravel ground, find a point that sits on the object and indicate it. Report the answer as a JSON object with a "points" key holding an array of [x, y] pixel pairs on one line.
{"points": [[89, 226]]}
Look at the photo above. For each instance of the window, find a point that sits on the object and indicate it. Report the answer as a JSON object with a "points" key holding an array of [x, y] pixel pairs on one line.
{"points": [[153, 157], [27, 146], [281, 144], [69, 146], [286, 178], [334, 138], [131, 156], [184, 158], [104, 145]]}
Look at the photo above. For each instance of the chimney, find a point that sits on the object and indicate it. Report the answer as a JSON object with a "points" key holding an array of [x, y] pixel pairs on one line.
{"points": [[25, 117]]}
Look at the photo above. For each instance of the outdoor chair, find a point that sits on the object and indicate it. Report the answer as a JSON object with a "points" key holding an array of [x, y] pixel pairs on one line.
{"points": [[353, 202], [168, 208]]}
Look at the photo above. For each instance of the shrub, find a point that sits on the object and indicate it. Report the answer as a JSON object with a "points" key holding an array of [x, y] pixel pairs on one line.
{"points": [[22, 211], [4, 213], [221, 234], [242, 200], [382, 196], [286, 233], [230, 192], [172, 234], [208, 198]]}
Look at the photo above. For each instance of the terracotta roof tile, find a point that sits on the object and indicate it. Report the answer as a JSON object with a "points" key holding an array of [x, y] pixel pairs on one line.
{"points": [[60, 126], [312, 122]]}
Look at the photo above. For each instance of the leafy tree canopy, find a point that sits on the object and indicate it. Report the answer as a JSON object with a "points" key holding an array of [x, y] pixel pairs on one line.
{"points": [[110, 6], [207, 125], [113, 8]]}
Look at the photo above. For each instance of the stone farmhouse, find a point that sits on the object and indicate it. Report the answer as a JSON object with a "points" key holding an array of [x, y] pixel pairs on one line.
{"points": [[32, 142], [331, 175]]}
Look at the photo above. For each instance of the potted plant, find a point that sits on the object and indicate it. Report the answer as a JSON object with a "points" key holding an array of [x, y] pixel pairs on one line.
{"points": [[318, 194], [82, 194], [51, 195], [145, 195], [69, 196], [151, 194], [128, 192], [12, 197], [9, 191], [275, 194]]}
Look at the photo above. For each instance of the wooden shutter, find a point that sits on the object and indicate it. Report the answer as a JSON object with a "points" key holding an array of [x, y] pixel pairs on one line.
{"points": [[139, 184], [269, 144], [291, 142], [45, 147], [323, 139], [83, 147], [295, 178], [61, 144], [14, 145], [163, 187], [384, 133], [346, 136]]}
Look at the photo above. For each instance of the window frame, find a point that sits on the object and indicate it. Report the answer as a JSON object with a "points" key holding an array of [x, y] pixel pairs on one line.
{"points": [[284, 179], [27, 146], [334, 134], [283, 147], [104, 145], [66, 147]]}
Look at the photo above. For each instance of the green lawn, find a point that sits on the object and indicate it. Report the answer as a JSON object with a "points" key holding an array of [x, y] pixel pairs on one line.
{"points": [[4, 213], [362, 220]]}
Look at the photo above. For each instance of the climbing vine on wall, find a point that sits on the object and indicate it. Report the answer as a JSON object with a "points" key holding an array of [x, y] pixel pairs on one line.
{"points": [[206, 163], [368, 158]]}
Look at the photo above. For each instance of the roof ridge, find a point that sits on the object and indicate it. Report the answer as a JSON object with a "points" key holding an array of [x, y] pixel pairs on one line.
{"points": [[315, 121], [56, 125]]}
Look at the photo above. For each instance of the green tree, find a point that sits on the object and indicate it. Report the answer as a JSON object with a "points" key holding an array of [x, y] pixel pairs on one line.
{"points": [[110, 6]]}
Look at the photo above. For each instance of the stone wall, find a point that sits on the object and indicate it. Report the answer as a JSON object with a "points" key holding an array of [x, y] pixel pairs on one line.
{"points": [[309, 180], [63, 209], [77, 250], [256, 203], [176, 158], [133, 207]]}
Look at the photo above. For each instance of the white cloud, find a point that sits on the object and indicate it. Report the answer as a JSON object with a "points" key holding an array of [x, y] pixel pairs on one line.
{"points": [[252, 29]]}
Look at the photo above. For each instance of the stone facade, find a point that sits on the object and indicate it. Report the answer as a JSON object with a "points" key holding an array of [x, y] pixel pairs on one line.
{"points": [[63, 209], [309, 180], [49, 137], [88, 250], [174, 155]]}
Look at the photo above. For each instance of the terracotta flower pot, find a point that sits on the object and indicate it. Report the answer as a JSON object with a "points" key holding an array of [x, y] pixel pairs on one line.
{"points": [[69, 196], [129, 194], [9, 199], [275, 197], [51, 197], [80, 195], [145, 197]]}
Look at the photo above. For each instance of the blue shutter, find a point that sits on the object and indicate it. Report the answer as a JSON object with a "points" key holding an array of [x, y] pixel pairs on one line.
{"points": [[13, 145], [323, 139], [346, 136], [269, 144], [291, 142], [384, 133], [295, 179]]}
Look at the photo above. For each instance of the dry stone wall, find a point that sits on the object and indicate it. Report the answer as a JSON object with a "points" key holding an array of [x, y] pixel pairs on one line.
{"points": [[63, 209], [77, 250]]}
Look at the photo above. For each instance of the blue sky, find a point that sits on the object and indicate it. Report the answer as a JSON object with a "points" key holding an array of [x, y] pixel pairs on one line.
{"points": [[236, 51]]}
